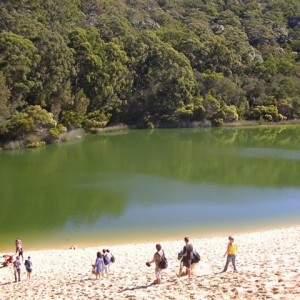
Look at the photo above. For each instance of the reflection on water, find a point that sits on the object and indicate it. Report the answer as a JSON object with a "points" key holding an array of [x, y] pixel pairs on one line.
{"points": [[112, 186], [276, 153]]}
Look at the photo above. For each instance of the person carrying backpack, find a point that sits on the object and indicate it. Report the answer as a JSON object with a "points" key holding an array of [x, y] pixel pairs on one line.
{"points": [[160, 263], [195, 261], [187, 255]]}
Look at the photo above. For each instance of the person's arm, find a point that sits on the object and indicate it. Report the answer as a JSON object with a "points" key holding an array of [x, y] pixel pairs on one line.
{"points": [[226, 250], [153, 260]]}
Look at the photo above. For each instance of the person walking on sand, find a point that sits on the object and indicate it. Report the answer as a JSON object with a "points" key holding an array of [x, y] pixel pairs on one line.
{"points": [[156, 259], [187, 255], [20, 253], [107, 263], [99, 264], [28, 266], [18, 245], [231, 254], [17, 269]]}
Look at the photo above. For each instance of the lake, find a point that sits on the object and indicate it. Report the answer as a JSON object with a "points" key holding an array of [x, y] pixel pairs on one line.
{"points": [[150, 185]]}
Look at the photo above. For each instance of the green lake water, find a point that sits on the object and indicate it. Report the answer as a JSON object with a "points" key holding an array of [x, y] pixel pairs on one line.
{"points": [[144, 185]]}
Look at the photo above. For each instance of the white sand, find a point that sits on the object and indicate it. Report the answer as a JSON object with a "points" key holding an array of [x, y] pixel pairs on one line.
{"points": [[268, 264]]}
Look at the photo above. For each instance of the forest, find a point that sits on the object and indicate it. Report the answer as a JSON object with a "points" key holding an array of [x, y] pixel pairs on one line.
{"points": [[91, 64]]}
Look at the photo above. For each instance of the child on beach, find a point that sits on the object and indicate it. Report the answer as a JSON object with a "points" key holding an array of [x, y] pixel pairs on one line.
{"points": [[99, 265], [231, 254]]}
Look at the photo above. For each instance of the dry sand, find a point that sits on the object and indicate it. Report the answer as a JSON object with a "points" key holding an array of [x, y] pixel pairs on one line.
{"points": [[268, 263]]}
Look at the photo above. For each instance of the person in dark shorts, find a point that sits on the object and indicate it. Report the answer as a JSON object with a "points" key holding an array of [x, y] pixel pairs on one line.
{"points": [[20, 253], [187, 255], [28, 266]]}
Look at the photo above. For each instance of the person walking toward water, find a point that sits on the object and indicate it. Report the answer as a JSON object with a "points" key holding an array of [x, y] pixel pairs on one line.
{"points": [[28, 266], [99, 264], [231, 254], [156, 259], [187, 255]]}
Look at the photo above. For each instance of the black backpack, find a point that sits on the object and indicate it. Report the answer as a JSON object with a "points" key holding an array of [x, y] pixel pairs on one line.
{"points": [[112, 259], [196, 257], [163, 263]]}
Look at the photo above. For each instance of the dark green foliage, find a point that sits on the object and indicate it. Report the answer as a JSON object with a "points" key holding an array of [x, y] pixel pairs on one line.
{"points": [[96, 119], [266, 113], [147, 63], [32, 121]]}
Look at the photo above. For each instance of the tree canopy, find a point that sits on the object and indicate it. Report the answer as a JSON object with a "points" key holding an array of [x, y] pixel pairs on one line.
{"points": [[158, 63]]}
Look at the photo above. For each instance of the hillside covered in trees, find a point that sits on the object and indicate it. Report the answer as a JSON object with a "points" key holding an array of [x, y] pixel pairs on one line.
{"points": [[165, 63]]}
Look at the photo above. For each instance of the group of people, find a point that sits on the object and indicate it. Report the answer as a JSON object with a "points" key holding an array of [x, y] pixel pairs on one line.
{"points": [[17, 264], [188, 258], [103, 263]]}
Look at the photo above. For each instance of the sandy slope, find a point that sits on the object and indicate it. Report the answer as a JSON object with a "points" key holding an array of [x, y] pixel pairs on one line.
{"points": [[268, 264]]}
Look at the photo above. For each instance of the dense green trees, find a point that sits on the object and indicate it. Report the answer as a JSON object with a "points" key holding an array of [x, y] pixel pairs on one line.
{"points": [[157, 63]]}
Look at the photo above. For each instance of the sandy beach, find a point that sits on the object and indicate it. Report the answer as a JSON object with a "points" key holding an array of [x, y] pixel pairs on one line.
{"points": [[268, 265]]}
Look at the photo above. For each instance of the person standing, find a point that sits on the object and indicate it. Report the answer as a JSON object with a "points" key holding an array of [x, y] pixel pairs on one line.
{"points": [[156, 259], [99, 264], [18, 245], [231, 254], [187, 255], [17, 269], [108, 256], [28, 266], [20, 253]]}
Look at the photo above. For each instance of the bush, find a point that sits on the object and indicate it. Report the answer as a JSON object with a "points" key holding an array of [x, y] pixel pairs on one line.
{"points": [[230, 113], [72, 120], [217, 122], [32, 120], [268, 118], [184, 113], [32, 126], [96, 119], [286, 109], [267, 113]]}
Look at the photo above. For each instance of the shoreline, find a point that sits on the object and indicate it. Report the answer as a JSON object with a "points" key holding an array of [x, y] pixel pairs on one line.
{"points": [[268, 264], [78, 134], [127, 240]]}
